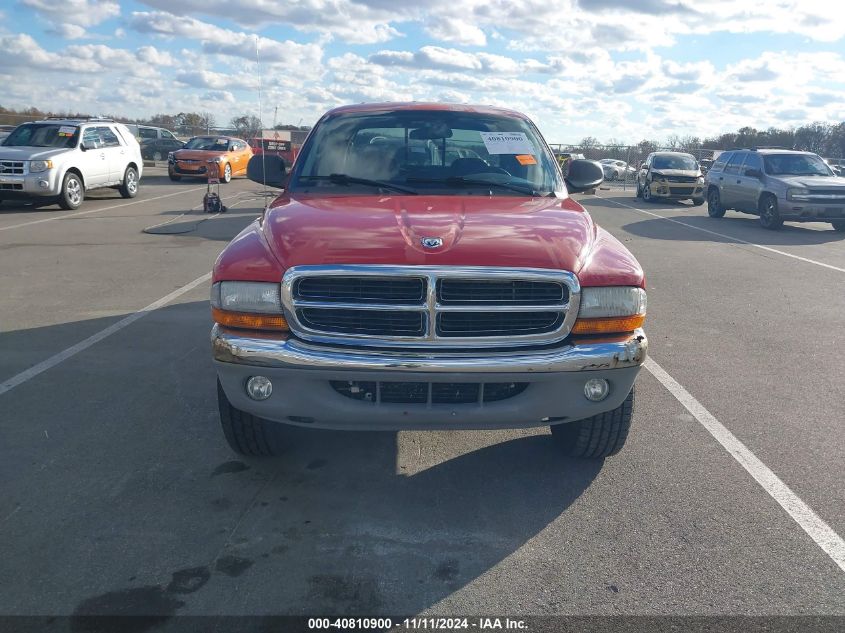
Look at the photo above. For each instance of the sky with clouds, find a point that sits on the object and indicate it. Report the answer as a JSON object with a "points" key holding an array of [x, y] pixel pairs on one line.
{"points": [[619, 70]]}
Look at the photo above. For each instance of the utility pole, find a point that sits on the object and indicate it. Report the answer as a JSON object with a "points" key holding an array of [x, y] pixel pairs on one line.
{"points": [[275, 112]]}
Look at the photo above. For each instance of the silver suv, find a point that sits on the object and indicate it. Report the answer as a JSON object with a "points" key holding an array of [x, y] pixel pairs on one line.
{"points": [[58, 160], [777, 185]]}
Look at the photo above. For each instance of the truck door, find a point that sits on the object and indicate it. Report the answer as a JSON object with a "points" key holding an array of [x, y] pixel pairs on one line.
{"points": [[749, 187], [92, 162], [115, 151], [729, 181]]}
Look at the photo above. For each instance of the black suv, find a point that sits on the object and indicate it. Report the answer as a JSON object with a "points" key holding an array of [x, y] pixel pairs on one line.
{"points": [[777, 185]]}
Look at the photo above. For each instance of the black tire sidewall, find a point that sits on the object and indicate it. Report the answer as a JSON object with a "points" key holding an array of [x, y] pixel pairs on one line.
{"points": [[715, 210], [774, 222]]}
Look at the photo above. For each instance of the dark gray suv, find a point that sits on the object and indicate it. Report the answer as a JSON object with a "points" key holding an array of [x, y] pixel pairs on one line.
{"points": [[777, 185]]}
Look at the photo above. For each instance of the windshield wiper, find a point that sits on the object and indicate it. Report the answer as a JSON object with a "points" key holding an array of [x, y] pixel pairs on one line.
{"points": [[463, 180], [344, 179]]}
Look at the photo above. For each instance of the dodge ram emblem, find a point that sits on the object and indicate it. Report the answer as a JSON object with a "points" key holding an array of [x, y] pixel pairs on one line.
{"points": [[431, 242]]}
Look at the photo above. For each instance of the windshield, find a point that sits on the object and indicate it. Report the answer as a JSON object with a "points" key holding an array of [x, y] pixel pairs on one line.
{"points": [[209, 143], [434, 152], [678, 161], [43, 135], [796, 165]]}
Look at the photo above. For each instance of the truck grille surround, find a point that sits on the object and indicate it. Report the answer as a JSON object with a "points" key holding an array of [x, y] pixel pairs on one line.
{"points": [[430, 306]]}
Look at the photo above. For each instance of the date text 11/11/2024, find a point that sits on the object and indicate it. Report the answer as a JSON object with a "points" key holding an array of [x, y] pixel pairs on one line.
{"points": [[419, 623]]}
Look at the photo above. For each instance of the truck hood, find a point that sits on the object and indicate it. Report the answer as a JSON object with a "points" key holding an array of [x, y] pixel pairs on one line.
{"points": [[30, 153], [475, 231], [814, 182]]}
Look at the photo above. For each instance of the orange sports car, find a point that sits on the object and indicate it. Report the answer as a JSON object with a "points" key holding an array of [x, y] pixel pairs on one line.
{"points": [[229, 155]]}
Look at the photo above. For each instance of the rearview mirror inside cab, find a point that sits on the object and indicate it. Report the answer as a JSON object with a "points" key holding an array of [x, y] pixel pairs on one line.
{"points": [[583, 175], [267, 169]]}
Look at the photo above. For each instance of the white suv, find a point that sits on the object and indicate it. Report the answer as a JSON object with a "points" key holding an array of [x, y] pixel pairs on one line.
{"points": [[58, 160]]}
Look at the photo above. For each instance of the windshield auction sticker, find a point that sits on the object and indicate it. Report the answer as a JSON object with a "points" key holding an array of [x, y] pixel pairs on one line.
{"points": [[506, 143], [67, 130]]}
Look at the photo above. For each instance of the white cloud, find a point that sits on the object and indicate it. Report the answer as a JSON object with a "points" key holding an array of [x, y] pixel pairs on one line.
{"points": [[78, 12], [70, 31], [455, 31], [151, 55], [347, 20], [217, 40]]}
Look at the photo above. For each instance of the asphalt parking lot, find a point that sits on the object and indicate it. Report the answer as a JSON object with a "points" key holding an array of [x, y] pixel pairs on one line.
{"points": [[121, 496]]}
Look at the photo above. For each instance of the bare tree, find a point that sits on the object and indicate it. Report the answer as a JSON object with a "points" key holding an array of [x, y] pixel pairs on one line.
{"points": [[246, 126]]}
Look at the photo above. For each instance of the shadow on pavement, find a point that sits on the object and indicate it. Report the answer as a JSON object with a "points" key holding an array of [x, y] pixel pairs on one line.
{"points": [[738, 225], [743, 228], [124, 498]]}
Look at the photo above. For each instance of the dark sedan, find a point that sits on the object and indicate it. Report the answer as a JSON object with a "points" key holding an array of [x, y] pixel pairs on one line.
{"points": [[158, 148]]}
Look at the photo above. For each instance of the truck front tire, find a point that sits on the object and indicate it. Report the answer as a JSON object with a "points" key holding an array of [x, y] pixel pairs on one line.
{"points": [[245, 433], [73, 192], [597, 437]]}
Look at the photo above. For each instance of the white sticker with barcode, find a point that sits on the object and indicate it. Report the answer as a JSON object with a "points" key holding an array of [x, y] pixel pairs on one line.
{"points": [[506, 143]]}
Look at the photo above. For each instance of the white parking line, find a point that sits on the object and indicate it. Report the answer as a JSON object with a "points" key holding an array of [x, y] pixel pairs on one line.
{"points": [[51, 362], [729, 237], [64, 216], [824, 536]]}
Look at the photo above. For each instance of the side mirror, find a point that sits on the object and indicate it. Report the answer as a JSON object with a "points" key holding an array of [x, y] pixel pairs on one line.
{"points": [[269, 169], [583, 175], [86, 145], [753, 173]]}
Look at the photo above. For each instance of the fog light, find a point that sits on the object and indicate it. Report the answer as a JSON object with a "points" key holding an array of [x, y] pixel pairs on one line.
{"points": [[259, 387], [43, 184], [596, 389]]}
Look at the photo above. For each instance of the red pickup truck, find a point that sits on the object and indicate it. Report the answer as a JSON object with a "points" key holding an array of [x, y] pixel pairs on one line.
{"points": [[426, 268]]}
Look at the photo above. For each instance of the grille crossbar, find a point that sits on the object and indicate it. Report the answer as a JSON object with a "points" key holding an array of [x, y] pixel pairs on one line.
{"points": [[450, 306]]}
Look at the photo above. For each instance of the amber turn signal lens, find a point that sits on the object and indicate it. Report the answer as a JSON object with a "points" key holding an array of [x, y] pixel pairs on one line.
{"points": [[249, 321], [606, 325]]}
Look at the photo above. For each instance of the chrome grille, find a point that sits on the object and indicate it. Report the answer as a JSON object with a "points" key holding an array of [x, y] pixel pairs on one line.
{"points": [[447, 306], [11, 167], [682, 178]]}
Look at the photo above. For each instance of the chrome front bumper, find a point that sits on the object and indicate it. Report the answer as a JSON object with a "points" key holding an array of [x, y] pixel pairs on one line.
{"points": [[302, 373]]}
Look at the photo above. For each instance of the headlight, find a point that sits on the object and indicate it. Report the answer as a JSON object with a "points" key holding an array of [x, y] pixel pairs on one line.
{"points": [[36, 166], [248, 304], [700, 180], [610, 309], [170, 157], [797, 193]]}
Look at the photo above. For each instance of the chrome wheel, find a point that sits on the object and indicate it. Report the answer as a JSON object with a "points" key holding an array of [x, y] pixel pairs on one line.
{"points": [[74, 191], [129, 188], [131, 181], [647, 192], [227, 173]]}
